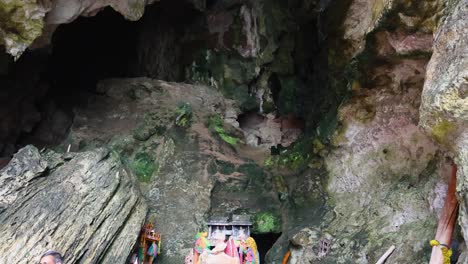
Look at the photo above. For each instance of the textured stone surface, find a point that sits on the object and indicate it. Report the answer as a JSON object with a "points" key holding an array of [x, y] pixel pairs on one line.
{"points": [[383, 178], [385, 181], [185, 173], [84, 205], [364, 17], [21, 22], [462, 184], [444, 108]]}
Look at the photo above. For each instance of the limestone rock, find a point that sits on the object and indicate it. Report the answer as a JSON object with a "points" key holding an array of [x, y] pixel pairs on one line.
{"points": [[24, 21], [444, 108], [383, 174], [462, 183], [21, 22], [83, 205], [184, 173], [364, 17], [310, 245]]}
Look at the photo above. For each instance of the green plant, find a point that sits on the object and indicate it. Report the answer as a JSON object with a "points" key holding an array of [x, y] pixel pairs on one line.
{"points": [[184, 114], [215, 123], [143, 166], [267, 222]]}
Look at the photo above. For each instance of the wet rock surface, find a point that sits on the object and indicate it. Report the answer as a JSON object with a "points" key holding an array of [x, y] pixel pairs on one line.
{"points": [[84, 205]]}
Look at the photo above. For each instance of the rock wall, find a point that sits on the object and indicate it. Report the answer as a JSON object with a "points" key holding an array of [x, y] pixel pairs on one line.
{"points": [[84, 205], [363, 177], [385, 177], [176, 140], [444, 108]]}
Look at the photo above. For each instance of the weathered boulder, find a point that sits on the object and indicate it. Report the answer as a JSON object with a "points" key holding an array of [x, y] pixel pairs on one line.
{"points": [[84, 205]]}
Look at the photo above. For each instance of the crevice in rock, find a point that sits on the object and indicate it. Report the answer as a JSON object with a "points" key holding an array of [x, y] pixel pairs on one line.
{"points": [[265, 242]]}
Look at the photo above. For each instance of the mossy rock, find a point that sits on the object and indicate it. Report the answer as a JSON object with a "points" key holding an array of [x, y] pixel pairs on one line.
{"points": [[184, 114], [17, 26], [143, 166], [442, 130], [266, 222], [216, 125]]}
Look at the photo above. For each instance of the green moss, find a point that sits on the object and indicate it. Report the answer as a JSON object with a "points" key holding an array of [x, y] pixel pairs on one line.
{"points": [[266, 222], [143, 166], [441, 131], [216, 124], [295, 157], [184, 114]]}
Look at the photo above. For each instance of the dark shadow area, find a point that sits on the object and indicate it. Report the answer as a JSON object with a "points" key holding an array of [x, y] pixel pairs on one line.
{"points": [[41, 89], [88, 50], [264, 243]]}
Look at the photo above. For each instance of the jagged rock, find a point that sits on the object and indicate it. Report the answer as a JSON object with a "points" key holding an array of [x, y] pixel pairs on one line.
{"points": [[309, 246], [364, 17], [84, 205]]}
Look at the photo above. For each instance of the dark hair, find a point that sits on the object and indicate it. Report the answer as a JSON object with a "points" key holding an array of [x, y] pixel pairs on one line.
{"points": [[57, 256]]}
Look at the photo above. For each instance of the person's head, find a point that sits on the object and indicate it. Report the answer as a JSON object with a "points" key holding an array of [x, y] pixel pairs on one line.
{"points": [[51, 257]]}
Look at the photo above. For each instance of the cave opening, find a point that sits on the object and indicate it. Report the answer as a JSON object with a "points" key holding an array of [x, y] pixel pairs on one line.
{"points": [[109, 46], [49, 82], [90, 49], [265, 242]]}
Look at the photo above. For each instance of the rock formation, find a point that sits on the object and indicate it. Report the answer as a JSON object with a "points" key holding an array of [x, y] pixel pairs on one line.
{"points": [[444, 107], [84, 205], [185, 169], [332, 123]]}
